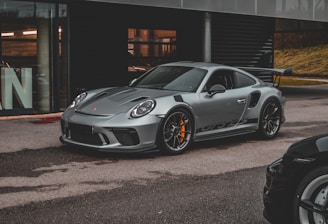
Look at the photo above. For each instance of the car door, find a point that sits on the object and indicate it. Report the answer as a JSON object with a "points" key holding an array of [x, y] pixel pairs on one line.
{"points": [[221, 111]]}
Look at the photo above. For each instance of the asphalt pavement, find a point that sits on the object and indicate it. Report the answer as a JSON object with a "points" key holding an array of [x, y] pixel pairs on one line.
{"points": [[51, 184], [29, 132]]}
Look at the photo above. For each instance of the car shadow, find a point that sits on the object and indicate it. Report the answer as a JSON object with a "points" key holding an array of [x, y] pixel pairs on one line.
{"points": [[111, 155], [225, 143], [219, 144]]}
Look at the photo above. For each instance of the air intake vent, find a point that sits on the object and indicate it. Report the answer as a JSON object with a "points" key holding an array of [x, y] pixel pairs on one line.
{"points": [[140, 99], [101, 94]]}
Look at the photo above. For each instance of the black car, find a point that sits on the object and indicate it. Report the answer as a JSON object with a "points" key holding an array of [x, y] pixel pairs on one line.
{"points": [[296, 188]]}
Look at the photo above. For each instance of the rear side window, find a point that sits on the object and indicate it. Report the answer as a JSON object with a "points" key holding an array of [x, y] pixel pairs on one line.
{"points": [[243, 80]]}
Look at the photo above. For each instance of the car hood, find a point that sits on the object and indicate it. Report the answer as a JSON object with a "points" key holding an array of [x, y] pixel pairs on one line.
{"points": [[119, 100]]}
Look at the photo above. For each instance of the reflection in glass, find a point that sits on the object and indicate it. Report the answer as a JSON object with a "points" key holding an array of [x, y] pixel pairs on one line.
{"points": [[30, 33], [148, 47]]}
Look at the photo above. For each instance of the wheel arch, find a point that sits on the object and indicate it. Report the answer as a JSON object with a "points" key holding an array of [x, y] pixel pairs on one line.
{"points": [[310, 183], [260, 114], [266, 100], [176, 107], [295, 177], [307, 168]]}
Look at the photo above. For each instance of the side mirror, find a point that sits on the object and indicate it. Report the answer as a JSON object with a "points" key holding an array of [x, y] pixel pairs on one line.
{"points": [[217, 88]]}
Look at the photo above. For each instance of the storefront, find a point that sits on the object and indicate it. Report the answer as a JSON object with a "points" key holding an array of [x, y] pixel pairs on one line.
{"points": [[34, 57]]}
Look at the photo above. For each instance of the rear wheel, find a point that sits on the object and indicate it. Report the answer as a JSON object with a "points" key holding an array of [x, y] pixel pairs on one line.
{"points": [[311, 198], [270, 119], [176, 132]]}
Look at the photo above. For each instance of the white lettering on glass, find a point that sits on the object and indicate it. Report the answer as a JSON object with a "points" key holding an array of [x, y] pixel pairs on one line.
{"points": [[11, 85]]}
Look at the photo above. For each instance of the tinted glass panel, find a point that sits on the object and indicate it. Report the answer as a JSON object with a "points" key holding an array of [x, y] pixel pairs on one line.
{"points": [[172, 78], [243, 80]]}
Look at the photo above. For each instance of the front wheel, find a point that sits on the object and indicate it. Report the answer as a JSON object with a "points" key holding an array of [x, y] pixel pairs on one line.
{"points": [[176, 132], [270, 119], [311, 199]]}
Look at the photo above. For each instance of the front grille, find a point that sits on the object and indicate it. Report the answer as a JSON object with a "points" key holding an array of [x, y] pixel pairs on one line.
{"points": [[83, 134]]}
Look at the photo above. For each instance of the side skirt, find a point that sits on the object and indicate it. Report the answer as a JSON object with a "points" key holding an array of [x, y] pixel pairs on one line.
{"points": [[223, 135]]}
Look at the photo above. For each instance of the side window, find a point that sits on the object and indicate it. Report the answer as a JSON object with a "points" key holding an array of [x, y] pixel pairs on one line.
{"points": [[243, 80], [222, 77]]}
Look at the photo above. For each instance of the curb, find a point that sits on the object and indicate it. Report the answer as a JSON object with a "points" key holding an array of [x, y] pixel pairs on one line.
{"points": [[37, 116]]}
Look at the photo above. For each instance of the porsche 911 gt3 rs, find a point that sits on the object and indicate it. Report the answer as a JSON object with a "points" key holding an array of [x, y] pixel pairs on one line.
{"points": [[173, 105]]}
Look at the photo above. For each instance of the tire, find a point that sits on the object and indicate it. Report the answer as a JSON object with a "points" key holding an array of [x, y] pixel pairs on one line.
{"points": [[311, 198], [176, 132], [270, 119]]}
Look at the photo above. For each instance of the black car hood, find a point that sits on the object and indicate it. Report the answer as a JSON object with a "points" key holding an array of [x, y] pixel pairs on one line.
{"points": [[309, 146]]}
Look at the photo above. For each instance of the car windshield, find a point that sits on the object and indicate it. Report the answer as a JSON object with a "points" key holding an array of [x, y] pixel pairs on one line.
{"points": [[176, 78]]}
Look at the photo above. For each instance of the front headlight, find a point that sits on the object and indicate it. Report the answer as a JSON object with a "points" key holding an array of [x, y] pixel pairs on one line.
{"points": [[78, 99], [143, 108], [276, 166]]}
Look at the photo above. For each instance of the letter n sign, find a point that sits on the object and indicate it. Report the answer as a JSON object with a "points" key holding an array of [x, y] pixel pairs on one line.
{"points": [[11, 85]]}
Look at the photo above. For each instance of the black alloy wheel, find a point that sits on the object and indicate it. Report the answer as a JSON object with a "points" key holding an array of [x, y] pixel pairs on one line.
{"points": [[176, 132], [270, 119]]}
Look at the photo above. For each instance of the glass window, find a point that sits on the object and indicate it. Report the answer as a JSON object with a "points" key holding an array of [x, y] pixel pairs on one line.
{"points": [[243, 80], [33, 52], [150, 47], [222, 77], [175, 78]]}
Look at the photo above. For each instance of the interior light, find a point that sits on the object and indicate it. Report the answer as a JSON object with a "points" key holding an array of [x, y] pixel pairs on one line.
{"points": [[7, 34], [30, 32]]}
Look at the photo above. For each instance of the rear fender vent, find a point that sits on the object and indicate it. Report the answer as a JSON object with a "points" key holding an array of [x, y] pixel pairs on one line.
{"points": [[255, 96]]}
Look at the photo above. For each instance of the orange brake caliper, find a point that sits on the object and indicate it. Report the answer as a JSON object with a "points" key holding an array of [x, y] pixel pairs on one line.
{"points": [[182, 131]]}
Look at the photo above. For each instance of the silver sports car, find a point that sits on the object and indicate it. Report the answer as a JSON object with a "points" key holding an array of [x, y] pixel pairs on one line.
{"points": [[173, 105]]}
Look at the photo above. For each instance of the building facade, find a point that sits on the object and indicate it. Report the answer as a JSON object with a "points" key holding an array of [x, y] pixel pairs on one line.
{"points": [[52, 50]]}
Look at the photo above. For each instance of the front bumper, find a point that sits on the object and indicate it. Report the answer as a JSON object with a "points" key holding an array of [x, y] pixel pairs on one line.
{"points": [[277, 195], [111, 134]]}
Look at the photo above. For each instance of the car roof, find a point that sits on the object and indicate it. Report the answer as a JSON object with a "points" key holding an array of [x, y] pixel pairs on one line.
{"points": [[203, 65]]}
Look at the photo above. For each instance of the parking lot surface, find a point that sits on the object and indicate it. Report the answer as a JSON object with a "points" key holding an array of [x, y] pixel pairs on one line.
{"points": [[215, 182]]}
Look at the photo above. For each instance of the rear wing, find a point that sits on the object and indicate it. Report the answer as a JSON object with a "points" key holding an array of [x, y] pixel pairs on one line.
{"points": [[268, 75]]}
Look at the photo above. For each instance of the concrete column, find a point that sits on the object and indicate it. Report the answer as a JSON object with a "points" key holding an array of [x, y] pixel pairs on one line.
{"points": [[43, 51], [207, 38]]}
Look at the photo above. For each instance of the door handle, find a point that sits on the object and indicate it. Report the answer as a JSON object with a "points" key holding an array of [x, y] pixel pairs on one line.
{"points": [[241, 101]]}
